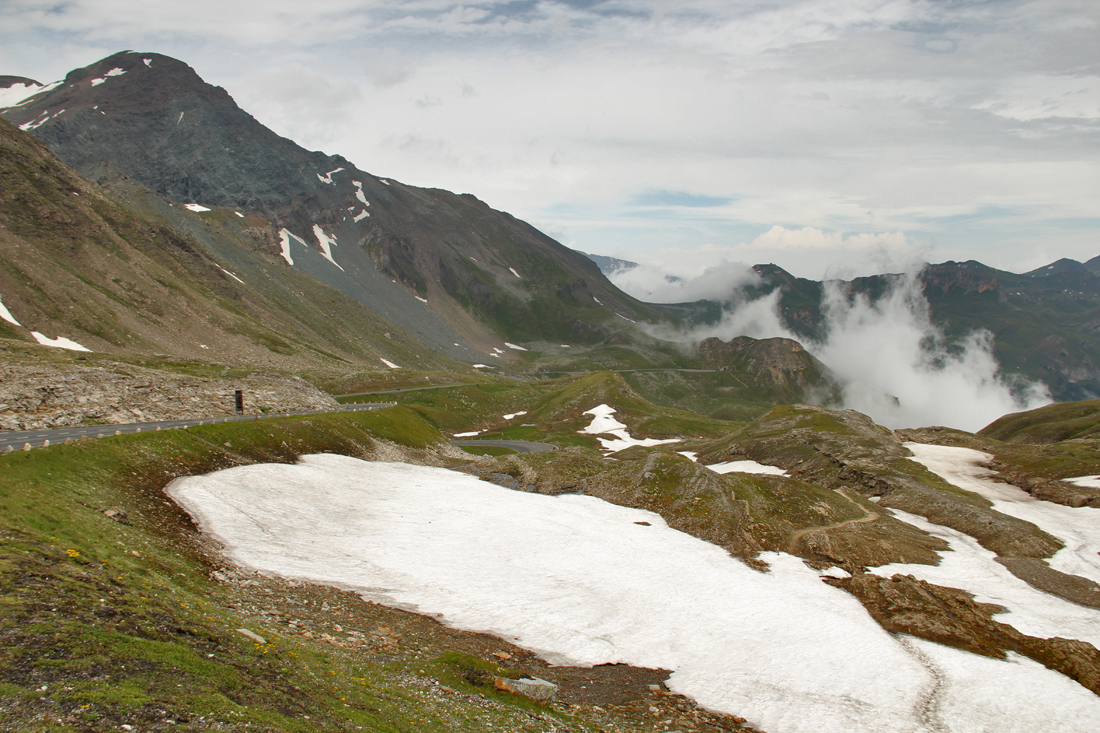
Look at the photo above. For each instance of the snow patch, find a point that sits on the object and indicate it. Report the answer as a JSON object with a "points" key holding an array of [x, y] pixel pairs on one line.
{"points": [[390, 364], [603, 424], [482, 366], [565, 346], [359, 192], [113, 72], [326, 242], [513, 271], [383, 181], [1090, 482], [361, 216], [689, 454], [973, 568], [515, 414], [196, 207], [592, 586], [596, 299], [284, 240], [422, 300], [1078, 528], [514, 347], [227, 272], [626, 319], [17, 94], [239, 214], [835, 572], [147, 62], [746, 467], [58, 343], [180, 118], [327, 178], [7, 316], [468, 435]]}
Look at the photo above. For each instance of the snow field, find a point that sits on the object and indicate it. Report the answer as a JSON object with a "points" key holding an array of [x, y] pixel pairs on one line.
{"points": [[284, 242], [1078, 528], [972, 568], [390, 364], [7, 316], [590, 586], [16, 94], [603, 424], [467, 435], [197, 208], [1091, 482], [326, 242], [58, 343], [515, 414]]}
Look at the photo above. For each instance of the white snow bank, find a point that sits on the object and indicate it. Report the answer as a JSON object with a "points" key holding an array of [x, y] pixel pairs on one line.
{"points": [[514, 347], [390, 364], [360, 216], [1091, 482], [359, 193], [327, 178], [326, 242], [1078, 528], [16, 94], [6, 314], [196, 207], [482, 366], [590, 586], [59, 343], [422, 300], [383, 181], [689, 454], [971, 567], [239, 214], [227, 272], [603, 424], [515, 414], [468, 435], [147, 62], [284, 241], [746, 467], [113, 72], [513, 270]]}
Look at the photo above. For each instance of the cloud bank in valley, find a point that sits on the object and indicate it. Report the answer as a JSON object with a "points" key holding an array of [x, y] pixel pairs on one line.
{"points": [[893, 363]]}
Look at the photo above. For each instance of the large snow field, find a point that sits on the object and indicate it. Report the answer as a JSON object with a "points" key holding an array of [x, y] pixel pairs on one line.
{"points": [[1078, 528], [580, 581], [603, 424], [972, 568]]}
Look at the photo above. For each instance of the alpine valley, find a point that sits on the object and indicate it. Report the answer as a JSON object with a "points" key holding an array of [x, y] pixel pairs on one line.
{"points": [[671, 532]]}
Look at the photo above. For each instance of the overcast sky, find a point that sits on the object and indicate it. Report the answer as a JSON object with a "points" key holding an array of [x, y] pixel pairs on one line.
{"points": [[832, 137]]}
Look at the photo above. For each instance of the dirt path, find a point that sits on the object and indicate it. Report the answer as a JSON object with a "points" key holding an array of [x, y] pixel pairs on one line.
{"points": [[868, 516]]}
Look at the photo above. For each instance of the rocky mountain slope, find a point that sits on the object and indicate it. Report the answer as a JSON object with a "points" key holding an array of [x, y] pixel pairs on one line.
{"points": [[131, 274], [442, 265]]}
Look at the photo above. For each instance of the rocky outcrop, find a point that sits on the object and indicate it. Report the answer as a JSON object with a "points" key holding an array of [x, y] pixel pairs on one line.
{"points": [[905, 605]]}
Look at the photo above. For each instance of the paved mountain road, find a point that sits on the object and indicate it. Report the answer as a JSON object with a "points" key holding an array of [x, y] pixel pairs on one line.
{"points": [[17, 439]]}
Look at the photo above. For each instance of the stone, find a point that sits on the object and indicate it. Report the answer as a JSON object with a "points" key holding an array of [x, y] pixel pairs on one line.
{"points": [[532, 688], [117, 514], [253, 636]]}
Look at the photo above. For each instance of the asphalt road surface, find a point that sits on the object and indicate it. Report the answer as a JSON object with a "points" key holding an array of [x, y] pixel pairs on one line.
{"points": [[519, 446], [17, 439]]}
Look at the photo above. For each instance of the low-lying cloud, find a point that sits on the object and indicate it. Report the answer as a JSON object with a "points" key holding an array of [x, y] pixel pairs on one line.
{"points": [[654, 285], [892, 362]]}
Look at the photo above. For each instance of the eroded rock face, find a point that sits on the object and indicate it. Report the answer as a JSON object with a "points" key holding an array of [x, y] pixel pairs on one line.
{"points": [[47, 396]]}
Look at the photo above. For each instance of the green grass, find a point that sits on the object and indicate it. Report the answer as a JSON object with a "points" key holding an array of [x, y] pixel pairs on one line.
{"points": [[123, 624]]}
